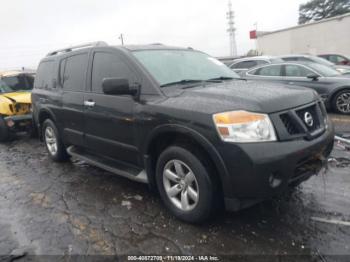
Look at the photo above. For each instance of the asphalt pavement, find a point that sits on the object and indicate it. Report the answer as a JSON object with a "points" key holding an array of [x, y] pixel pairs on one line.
{"points": [[69, 209]]}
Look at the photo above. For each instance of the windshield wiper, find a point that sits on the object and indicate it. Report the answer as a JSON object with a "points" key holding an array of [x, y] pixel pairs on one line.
{"points": [[223, 78], [183, 82]]}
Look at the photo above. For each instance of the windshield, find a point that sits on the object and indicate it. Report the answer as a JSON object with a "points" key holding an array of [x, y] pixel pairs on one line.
{"points": [[4, 88], [324, 70], [172, 66], [17, 83], [322, 61]]}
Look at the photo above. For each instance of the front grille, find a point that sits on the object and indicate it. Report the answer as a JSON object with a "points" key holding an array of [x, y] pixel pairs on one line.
{"points": [[288, 123], [306, 121]]}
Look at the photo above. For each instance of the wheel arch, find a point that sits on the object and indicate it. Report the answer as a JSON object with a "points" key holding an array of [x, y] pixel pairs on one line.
{"points": [[334, 92], [167, 135], [42, 116]]}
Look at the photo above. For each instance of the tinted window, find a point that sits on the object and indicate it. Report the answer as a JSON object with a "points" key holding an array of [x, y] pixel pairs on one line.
{"points": [[290, 58], [244, 65], [337, 59], [109, 65], [74, 72], [297, 71], [44, 75], [273, 70]]}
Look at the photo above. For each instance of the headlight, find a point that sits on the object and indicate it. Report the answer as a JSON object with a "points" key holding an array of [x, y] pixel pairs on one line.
{"points": [[244, 127]]}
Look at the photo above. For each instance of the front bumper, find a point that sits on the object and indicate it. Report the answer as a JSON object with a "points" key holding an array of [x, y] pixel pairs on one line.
{"points": [[17, 123], [259, 171]]}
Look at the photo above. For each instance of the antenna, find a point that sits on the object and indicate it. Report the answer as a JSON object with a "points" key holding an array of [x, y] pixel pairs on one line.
{"points": [[230, 15]]}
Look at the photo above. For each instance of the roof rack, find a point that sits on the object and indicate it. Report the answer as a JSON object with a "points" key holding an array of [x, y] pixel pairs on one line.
{"points": [[71, 48]]}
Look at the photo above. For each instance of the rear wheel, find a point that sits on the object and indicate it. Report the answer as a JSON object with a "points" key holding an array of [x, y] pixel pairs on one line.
{"points": [[185, 185], [5, 134], [341, 102], [53, 142]]}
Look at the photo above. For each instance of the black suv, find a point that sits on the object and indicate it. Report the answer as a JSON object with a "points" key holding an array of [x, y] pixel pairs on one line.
{"points": [[180, 121]]}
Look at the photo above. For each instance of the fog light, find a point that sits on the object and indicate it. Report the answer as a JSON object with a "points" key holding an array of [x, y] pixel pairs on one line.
{"points": [[10, 123], [275, 180]]}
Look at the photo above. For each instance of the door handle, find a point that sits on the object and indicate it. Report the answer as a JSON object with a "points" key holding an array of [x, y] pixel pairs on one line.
{"points": [[291, 83], [89, 103]]}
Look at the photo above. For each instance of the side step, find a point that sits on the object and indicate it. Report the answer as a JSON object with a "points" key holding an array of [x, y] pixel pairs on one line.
{"points": [[110, 165]]}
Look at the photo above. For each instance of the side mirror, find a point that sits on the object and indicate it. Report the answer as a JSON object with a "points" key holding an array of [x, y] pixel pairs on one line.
{"points": [[117, 86], [314, 77]]}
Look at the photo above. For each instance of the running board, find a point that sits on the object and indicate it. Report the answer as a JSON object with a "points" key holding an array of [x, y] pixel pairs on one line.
{"points": [[110, 165]]}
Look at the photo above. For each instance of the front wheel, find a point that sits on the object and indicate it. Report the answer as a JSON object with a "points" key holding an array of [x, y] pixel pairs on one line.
{"points": [[185, 185], [341, 102], [53, 142]]}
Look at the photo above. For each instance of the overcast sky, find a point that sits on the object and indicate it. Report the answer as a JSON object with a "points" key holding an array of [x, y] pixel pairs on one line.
{"points": [[30, 29]]}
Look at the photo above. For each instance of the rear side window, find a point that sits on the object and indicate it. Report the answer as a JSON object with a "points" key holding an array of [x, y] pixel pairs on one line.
{"points": [[75, 72], [273, 70], [244, 65], [109, 65], [44, 75]]}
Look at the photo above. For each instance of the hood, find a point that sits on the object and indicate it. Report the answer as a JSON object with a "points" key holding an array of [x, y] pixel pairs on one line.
{"points": [[18, 97], [252, 96]]}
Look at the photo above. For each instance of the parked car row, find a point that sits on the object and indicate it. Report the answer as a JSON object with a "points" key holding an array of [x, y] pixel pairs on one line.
{"points": [[331, 81], [241, 65]]}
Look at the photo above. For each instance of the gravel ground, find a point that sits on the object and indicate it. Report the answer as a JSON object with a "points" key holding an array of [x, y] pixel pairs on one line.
{"points": [[73, 209]]}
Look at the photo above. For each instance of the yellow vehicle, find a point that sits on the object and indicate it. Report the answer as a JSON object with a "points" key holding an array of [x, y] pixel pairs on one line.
{"points": [[15, 103]]}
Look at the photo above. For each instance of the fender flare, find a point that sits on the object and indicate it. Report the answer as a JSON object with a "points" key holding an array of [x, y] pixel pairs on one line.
{"points": [[37, 122], [197, 138], [335, 91]]}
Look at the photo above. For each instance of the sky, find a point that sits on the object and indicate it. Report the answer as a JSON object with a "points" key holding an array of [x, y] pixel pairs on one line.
{"points": [[30, 29]]}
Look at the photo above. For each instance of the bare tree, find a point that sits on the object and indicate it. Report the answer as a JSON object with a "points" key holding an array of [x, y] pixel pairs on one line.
{"points": [[315, 10]]}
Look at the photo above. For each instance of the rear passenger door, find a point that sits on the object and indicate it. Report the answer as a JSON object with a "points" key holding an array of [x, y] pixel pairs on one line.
{"points": [[73, 70], [110, 121]]}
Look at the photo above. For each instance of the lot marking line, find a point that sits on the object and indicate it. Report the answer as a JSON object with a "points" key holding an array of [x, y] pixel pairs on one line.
{"points": [[331, 221]]}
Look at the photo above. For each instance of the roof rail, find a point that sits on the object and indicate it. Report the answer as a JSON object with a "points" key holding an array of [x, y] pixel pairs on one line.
{"points": [[71, 48]]}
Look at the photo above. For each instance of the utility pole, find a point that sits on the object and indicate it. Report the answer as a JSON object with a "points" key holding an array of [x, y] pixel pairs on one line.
{"points": [[230, 15], [121, 38]]}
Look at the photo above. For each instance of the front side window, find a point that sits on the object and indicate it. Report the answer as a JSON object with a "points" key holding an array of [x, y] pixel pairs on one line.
{"points": [[273, 70], [74, 72], [297, 71], [169, 66], [107, 65]]}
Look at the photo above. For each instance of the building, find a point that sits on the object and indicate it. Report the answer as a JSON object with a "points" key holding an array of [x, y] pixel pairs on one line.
{"points": [[330, 35]]}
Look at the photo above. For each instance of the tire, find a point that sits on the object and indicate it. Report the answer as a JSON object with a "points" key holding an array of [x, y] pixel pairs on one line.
{"points": [[53, 142], [5, 134], [195, 211], [341, 95]]}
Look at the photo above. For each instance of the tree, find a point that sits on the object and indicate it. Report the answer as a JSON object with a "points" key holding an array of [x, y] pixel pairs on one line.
{"points": [[315, 10]]}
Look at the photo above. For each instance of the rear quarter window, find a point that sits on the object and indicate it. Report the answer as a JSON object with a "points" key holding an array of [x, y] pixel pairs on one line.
{"points": [[45, 75]]}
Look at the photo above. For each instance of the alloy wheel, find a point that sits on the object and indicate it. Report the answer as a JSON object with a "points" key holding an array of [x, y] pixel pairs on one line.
{"points": [[180, 185], [343, 102], [51, 140]]}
